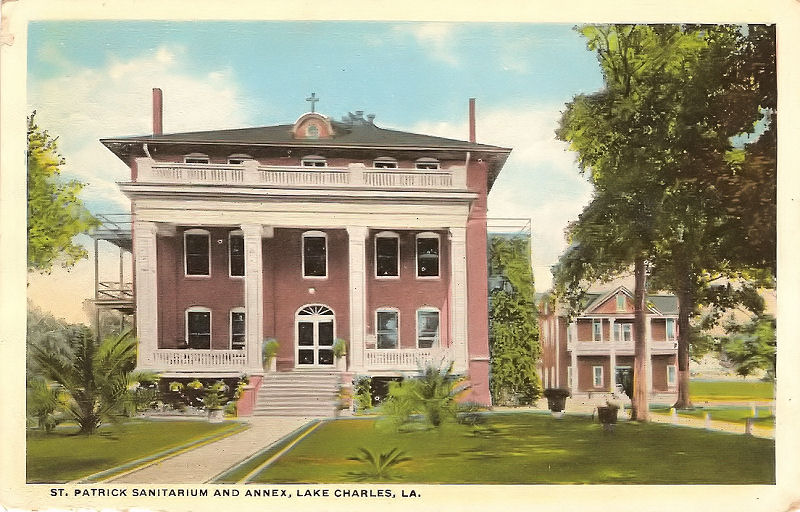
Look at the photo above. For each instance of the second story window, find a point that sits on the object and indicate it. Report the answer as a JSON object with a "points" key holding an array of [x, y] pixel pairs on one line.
{"points": [[623, 332], [196, 158], [198, 328], [385, 163], [428, 164], [315, 257], [597, 331], [427, 255], [197, 250], [670, 329], [238, 159], [313, 161], [387, 255], [236, 253]]}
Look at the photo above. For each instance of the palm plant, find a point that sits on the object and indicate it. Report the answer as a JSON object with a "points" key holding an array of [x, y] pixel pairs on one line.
{"points": [[42, 403], [378, 464], [94, 376], [433, 394]]}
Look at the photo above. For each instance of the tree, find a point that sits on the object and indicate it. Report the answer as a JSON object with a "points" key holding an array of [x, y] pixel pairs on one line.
{"points": [[752, 346], [513, 326], [55, 212], [95, 375]]}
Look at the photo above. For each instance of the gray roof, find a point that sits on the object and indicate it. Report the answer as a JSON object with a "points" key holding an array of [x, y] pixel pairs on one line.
{"points": [[667, 304]]}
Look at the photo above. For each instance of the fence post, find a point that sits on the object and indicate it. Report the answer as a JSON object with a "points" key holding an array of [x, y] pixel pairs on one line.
{"points": [[748, 427], [708, 421], [674, 413]]}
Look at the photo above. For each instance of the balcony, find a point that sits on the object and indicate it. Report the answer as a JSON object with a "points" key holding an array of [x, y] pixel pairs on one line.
{"points": [[622, 348], [405, 359], [251, 173], [199, 360]]}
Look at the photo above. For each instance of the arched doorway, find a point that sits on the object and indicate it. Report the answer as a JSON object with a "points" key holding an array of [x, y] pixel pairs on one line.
{"points": [[315, 330]]}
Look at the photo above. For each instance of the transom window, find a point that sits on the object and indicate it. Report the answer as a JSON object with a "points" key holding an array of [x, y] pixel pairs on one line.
{"points": [[426, 164], [198, 328], [387, 255], [315, 257], [623, 332], [237, 329], [236, 253], [197, 250], [196, 158], [670, 329], [427, 255], [387, 328], [385, 163], [427, 328], [313, 161]]}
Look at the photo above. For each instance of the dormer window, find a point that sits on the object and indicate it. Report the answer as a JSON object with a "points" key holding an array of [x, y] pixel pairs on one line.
{"points": [[238, 159], [312, 131], [427, 164], [385, 163], [313, 161], [196, 158]]}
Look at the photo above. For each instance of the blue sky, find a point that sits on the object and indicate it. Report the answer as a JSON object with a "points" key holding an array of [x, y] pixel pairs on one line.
{"points": [[92, 79]]}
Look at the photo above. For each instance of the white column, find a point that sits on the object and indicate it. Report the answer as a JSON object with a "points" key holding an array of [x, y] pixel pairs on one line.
{"points": [[574, 363], [458, 297], [144, 243], [648, 334], [554, 336], [253, 295], [357, 236], [612, 366]]}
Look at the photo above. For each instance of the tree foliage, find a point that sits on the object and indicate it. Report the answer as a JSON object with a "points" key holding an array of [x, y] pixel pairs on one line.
{"points": [[752, 346], [513, 325], [55, 212]]}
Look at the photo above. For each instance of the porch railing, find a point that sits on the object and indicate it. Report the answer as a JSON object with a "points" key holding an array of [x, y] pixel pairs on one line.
{"points": [[405, 359], [193, 359]]}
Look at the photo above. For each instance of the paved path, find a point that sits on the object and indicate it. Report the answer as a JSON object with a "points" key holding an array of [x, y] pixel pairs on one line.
{"points": [[725, 426], [202, 464]]}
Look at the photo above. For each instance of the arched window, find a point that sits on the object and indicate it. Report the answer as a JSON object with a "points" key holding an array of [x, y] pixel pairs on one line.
{"points": [[427, 327], [387, 255], [197, 252], [387, 328], [315, 254], [198, 327], [427, 255]]}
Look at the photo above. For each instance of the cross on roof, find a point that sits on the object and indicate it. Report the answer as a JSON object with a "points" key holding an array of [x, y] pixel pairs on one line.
{"points": [[313, 99]]}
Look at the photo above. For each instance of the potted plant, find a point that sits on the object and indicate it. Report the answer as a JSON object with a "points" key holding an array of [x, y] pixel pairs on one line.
{"points": [[213, 401], [270, 352], [556, 400], [607, 415], [339, 352]]}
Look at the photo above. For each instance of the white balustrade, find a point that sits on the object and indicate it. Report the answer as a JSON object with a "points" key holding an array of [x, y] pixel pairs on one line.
{"points": [[405, 359], [303, 176], [408, 178], [192, 359]]}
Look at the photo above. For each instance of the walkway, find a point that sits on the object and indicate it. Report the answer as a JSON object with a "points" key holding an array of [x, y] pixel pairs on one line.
{"points": [[204, 463]]}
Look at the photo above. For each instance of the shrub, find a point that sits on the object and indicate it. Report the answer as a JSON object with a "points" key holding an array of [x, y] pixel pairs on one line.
{"points": [[433, 395], [362, 393], [269, 351], [339, 348]]}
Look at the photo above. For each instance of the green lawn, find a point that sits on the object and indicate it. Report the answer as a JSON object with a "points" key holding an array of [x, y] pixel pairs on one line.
{"points": [[730, 390], [63, 455], [532, 448], [730, 413]]}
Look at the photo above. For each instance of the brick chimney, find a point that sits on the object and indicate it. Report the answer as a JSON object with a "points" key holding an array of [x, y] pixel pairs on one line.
{"points": [[472, 119], [157, 112]]}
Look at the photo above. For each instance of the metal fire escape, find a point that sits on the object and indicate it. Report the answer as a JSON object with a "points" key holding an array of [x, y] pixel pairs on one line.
{"points": [[116, 295]]}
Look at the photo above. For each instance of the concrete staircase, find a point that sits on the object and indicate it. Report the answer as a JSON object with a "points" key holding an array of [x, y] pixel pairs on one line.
{"points": [[298, 393]]}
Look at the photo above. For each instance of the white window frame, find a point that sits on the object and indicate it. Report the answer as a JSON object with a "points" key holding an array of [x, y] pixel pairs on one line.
{"points": [[384, 162], [597, 334], [436, 340], [619, 332], [196, 156], [427, 164], [386, 234], [192, 232], [312, 161], [230, 327], [597, 382], [674, 323], [240, 157], [428, 234], [231, 234], [387, 309], [198, 309], [620, 301], [312, 234], [672, 371]]}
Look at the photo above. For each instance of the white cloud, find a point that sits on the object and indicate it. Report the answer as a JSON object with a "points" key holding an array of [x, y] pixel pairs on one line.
{"points": [[436, 38], [539, 181]]}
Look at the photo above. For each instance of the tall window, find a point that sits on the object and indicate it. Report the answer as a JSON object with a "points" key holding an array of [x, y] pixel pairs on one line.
{"points": [[236, 253], [596, 330], [313, 161], [387, 255], [671, 375], [620, 302], [427, 255], [198, 328], [623, 332], [427, 328], [315, 257], [670, 329], [387, 328], [237, 329], [197, 248], [597, 376]]}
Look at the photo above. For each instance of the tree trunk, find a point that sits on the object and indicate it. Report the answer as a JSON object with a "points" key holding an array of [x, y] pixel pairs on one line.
{"points": [[685, 305], [640, 408]]}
